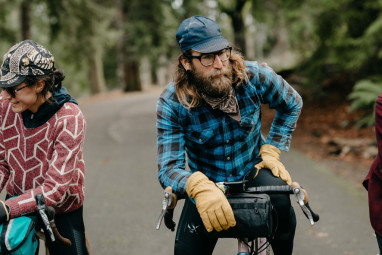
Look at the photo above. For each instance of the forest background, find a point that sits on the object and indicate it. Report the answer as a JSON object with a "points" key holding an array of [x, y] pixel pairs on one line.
{"points": [[330, 51]]}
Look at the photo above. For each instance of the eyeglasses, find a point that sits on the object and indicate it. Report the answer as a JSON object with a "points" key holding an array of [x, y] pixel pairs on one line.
{"points": [[208, 59], [12, 92]]}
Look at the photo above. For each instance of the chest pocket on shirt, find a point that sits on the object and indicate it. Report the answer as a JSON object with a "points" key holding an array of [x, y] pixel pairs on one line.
{"points": [[200, 136], [248, 125]]}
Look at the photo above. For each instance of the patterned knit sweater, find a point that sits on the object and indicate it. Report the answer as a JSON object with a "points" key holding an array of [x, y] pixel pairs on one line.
{"points": [[47, 159]]}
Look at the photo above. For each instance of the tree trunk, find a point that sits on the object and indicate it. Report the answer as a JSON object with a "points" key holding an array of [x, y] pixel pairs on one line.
{"points": [[121, 45], [153, 71], [128, 70], [133, 82], [236, 15], [239, 30], [25, 20], [96, 73]]}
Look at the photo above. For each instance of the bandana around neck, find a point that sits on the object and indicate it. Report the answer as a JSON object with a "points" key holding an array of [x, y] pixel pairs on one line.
{"points": [[227, 104]]}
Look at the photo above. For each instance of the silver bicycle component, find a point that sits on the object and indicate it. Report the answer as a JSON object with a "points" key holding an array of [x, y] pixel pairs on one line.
{"points": [[45, 219], [221, 186], [167, 201], [300, 197], [41, 209]]}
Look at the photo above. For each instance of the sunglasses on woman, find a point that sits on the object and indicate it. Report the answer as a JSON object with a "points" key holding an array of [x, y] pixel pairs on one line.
{"points": [[12, 92]]}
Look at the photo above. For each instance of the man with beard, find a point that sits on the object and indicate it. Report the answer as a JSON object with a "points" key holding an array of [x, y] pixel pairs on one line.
{"points": [[211, 113]]}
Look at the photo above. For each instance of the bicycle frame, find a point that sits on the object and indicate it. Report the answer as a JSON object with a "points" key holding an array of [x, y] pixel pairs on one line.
{"points": [[260, 244]]}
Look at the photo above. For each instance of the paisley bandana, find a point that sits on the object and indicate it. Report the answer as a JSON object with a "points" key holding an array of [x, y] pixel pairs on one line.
{"points": [[227, 104]]}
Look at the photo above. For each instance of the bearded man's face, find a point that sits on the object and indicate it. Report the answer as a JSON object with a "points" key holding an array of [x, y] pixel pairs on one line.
{"points": [[212, 82]]}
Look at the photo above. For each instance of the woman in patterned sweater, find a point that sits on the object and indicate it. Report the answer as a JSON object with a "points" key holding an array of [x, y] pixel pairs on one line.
{"points": [[42, 133]]}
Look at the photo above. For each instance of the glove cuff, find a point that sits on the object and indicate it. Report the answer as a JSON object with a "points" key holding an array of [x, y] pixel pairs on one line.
{"points": [[271, 150], [193, 181]]}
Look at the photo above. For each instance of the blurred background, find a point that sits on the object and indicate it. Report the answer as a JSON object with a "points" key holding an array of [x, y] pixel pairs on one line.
{"points": [[119, 54], [330, 51]]}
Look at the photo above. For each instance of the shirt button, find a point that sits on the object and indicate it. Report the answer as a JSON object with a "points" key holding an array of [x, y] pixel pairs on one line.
{"points": [[228, 158], [227, 141], [200, 140]]}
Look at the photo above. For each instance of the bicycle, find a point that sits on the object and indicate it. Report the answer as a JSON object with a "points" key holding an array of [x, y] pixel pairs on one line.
{"points": [[260, 245]]}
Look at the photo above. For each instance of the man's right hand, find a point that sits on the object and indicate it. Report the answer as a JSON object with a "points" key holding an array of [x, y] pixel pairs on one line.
{"points": [[213, 207]]}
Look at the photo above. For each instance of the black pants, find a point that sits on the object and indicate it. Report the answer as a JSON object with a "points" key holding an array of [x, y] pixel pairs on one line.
{"points": [[191, 239], [71, 226]]}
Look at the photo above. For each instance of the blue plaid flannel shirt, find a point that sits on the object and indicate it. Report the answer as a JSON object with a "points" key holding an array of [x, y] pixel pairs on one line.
{"points": [[215, 144]]}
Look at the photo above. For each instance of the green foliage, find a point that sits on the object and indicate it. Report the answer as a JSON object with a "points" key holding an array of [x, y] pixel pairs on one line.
{"points": [[331, 37], [363, 97], [7, 26], [345, 38]]}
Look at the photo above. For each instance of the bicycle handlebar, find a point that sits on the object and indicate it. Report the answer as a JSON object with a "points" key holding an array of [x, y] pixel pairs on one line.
{"points": [[285, 189], [300, 194], [170, 199], [47, 214], [57, 234]]}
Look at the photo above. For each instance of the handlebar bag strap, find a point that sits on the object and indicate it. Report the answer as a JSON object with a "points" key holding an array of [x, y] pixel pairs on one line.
{"points": [[253, 215], [18, 236]]}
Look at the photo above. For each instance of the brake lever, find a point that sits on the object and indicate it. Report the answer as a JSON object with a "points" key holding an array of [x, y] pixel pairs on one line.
{"points": [[300, 197], [302, 200], [41, 208], [169, 202]]}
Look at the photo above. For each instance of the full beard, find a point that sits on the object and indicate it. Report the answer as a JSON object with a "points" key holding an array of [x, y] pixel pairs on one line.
{"points": [[216, 85]]}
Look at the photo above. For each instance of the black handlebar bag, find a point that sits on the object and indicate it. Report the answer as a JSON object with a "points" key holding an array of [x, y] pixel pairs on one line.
{"points": [[253, 215]]}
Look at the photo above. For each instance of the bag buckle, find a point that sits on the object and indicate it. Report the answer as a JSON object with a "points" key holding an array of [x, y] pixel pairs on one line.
{"points": [[232, 187]]}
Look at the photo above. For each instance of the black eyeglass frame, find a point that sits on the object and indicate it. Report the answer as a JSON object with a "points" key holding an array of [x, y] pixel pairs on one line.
{"points": [[12, 92], [229, 48]]}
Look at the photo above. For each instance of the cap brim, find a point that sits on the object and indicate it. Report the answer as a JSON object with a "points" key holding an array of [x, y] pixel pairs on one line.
{"points": [[11, 80], [211, 45]]}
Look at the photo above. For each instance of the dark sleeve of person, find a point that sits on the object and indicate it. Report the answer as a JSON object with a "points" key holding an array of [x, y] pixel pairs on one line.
{"points": [[378, 125], [375, 168]]}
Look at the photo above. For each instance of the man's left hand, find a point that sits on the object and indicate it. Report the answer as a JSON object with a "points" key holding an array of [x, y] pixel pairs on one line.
{"points": [[4, 212], [271, 155]]}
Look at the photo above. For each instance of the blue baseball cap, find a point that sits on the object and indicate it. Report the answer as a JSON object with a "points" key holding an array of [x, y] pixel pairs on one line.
{"points": [[200, 34]]}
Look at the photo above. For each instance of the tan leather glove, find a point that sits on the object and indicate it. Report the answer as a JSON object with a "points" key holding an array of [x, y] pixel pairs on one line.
{"points": [[212, 205], [271, 155]]}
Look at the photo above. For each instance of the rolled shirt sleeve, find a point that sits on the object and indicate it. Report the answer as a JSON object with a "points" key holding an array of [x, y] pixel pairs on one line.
{"points": [[282, 97], [170, 145]]}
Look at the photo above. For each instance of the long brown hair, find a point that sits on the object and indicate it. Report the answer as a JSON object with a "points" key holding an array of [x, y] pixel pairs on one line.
{"points": [[187, 93]]}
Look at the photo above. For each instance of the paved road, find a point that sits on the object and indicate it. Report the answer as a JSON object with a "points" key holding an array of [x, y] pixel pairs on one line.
{"points": [[123, 197]]}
